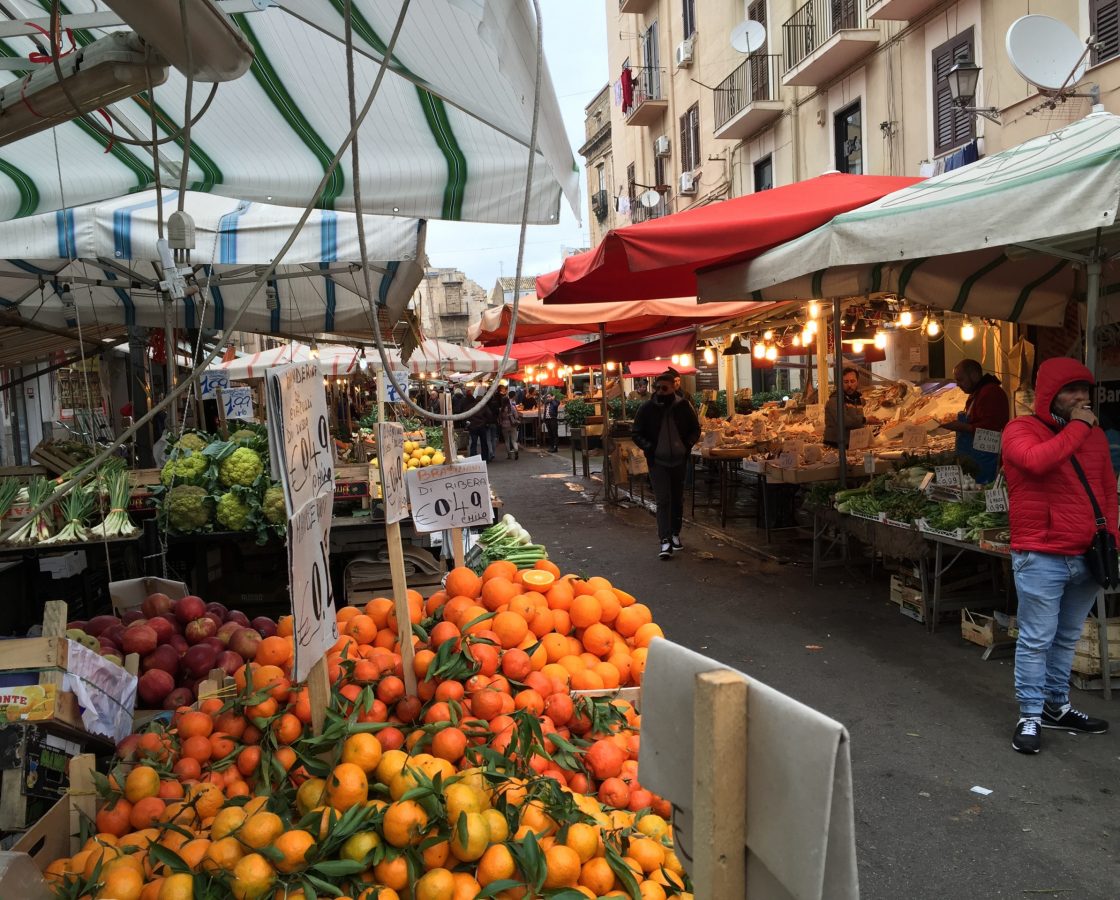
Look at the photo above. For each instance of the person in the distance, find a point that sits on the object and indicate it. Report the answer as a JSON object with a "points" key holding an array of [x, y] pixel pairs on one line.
{"points": [[986, 408]]}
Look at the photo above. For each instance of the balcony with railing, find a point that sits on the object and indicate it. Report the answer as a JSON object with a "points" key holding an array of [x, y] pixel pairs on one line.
{"points": [[898, 10], [823, 39], [748, 99], [640, 213], [647, 100], [600, 205], [633, 6]]}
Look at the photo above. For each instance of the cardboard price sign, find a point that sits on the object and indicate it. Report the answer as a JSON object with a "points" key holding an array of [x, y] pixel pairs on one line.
{"points": [[948, 475], [299, 434], [209, 382], [451, 496], [859, 438], [788, 460], [239, 403], [985, 440], [314, 625], [390, 455], [995, 500], [914, 436]]}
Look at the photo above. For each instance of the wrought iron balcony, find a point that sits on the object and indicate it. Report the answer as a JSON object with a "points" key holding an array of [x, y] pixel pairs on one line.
{"points": [[749, 98], [823, 39], [648, 103], [898, 10]]}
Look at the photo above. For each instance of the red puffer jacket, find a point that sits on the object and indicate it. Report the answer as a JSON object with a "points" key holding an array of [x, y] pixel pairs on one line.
{"points": [[1050, 511]]}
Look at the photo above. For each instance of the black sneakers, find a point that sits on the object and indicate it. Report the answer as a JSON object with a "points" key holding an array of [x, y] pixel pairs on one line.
{"points": [[666, 550], [676, 542], [1071, 719], [1028, 735]]}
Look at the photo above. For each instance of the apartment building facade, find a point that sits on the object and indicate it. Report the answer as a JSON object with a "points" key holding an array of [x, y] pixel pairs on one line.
{"points": [[448, 303]]}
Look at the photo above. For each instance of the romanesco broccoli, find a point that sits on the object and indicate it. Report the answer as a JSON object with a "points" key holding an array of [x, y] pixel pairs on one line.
{"points": [[233, 512], [243, 467], [275, 511], [187, 468], [188, 508]]}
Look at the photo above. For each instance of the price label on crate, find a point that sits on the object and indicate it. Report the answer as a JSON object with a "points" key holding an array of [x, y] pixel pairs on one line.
{"points": [[788, 460], [451, 496], [390, 455], [869, 463], [210, 381], [914, 436], [313, 621], [238, 402], [986, 440], [995, 500], [299, 435], [859, 438], [950, 476]]}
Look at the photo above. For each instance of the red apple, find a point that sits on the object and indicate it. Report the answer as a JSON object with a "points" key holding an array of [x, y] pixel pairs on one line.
{"points": [[128, 747], [199, 629], [98, 624], [245, 643], [189, 608], [176, 625], [214, 642], [163, 657], [181, 696], [153, 688], [179, 643], [78, 623], [264, 625], [156, 605], [236, 615], [140, 639], [228, 630], [132, 615], [217, 609], [115, 633], [198, 660], [229, 661], [162, 628]]}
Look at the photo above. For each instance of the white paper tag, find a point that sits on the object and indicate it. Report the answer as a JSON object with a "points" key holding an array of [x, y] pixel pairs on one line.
{"points": [[995, 500], [914, 436], [314, 626], [299, 433], [859, 438], [869, 463], [209, 381], [948, 475], [390, 455], [238, 402], [452, 496], [788, 460], [986, 440]]}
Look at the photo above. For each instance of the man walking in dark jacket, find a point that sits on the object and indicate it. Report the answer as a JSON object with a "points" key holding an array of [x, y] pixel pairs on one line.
{"points": [[666, 428]]}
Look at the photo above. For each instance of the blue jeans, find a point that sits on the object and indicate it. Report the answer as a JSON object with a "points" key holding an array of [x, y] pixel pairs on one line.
{"points": [[1055, 595]]}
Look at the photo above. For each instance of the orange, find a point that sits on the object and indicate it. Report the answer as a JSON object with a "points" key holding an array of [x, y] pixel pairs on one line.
{"points": [[253, 877], [287, 728], [466, 887], [177, 887], [562, 866], [647, 633], [120, 883], [597, 875], [497, 864], [498, 591], [501, 568], [146, 812], [462, 582], [537, 578], [584, 839], [631, 618], [294, 846], [363, 750], [228, 820], [404, 823], [510, 627], [142, 781], [450, 744], [361, 628], [273, 651], [648, 853], [393, 873], [378, 609], [609, 603], [113, 818], [586, 610], [192, 723], [435, 884], [347, 786], [260, 829]]}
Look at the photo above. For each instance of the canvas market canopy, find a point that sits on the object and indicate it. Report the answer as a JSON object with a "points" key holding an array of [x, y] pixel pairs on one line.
{"points": [[447, 136], [1000, 238], [95, 264]]}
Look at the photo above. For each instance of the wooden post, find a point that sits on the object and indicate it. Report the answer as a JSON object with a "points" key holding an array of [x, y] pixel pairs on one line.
{"points": [[54, 625], [319, 693], [83, 794], [719, 785], [452, 455], [223, 428], [730, 381], [822, 358]]}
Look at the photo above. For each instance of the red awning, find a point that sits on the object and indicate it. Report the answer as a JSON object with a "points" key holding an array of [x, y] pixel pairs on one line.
{"points": [[634, 347], [535, 353], [659, 258], [651, 368]]}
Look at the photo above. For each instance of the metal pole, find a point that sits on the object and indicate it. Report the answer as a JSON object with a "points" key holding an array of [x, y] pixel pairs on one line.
{"points": [[1092, 311], [838, 366], [606, 411]]}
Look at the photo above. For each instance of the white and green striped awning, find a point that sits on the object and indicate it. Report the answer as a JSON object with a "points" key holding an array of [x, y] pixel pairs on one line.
{"points": [[447, 137], [1000, 238], [95, 265]]}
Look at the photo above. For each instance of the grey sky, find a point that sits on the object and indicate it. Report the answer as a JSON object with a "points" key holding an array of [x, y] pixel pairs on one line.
{"points": [[575, 46]]}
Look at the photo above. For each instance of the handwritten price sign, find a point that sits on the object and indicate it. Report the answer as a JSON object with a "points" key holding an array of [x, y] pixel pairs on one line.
{"points": [[314, 626], [390, 455], [985, 440], [452, 496], [239, 403], [209, 382], [299, 433]]}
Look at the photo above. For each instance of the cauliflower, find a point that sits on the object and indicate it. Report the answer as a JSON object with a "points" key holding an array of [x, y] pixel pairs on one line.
{"points": [[191, 441], [243, 434], [275, 510], [233, 512], [188, 468], [243, 467], [188, 508]]}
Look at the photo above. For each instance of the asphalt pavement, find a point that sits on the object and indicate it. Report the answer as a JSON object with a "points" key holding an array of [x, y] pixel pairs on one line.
{"points": [[929, 720]]}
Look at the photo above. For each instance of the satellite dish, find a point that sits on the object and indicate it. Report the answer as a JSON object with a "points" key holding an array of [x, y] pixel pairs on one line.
{"points": [[748, 37], [649, 199], [1046, 52]]}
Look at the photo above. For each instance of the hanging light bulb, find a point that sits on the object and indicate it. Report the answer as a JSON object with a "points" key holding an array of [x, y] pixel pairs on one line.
{"points": [[797, 338], [857, 347], [968, 330], [806, 338], [814, 309], [676, 358], [771, 353], [611, 367], [686, 360], [709, 356], [905, 318], [880, 339], [363, 363], [768, 335], [933, 329], [314, 351], [811, 326], [759, 350], [551, 364]]}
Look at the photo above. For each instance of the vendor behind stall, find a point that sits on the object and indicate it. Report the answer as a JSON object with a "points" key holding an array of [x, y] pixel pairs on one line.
{"points": [[986, 407], [853, 410]]}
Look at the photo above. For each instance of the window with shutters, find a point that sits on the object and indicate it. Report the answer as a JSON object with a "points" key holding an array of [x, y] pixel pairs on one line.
{"points": [[952, 127], [453, 298], [690, 138], [760, 70], [631, 185], [689, 14], [1104, 23]]}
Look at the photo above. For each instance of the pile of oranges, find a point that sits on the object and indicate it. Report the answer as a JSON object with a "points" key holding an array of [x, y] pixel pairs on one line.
{"points": [[493, 780]]}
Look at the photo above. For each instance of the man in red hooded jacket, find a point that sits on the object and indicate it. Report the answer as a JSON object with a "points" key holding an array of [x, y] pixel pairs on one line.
{"points": [[1052, 525]]}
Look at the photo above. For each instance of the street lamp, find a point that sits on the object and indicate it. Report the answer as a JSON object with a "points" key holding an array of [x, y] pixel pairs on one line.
{"points": [[963, 79]]}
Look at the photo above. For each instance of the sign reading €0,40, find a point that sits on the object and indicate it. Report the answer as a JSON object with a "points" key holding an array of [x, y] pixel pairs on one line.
{"points": [[451, 496], [390, 455]]}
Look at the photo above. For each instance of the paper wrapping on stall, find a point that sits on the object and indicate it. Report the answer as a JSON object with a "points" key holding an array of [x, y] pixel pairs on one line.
{"points": [[106, 692], [800, 820]]}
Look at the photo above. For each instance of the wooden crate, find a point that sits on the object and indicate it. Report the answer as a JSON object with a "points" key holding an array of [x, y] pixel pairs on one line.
{"points": [[983, 630], [34, 760], [905, 590], [58, 833], [1087, 651]]}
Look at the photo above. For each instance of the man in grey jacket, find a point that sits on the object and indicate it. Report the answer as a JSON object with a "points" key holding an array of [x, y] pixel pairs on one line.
{"points": [[853, 410]]}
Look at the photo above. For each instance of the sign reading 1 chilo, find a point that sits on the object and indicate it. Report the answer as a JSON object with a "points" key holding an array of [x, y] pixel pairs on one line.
{"points": [[452, 496]]}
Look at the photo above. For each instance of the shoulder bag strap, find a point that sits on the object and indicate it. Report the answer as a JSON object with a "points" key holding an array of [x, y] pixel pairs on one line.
{"points": [[1101, 524]]}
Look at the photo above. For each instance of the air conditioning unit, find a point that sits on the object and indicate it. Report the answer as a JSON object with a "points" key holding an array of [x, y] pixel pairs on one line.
{"points": [[661, 145], [687, 184], [684, 54]]}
